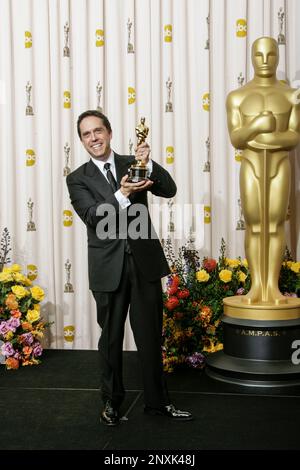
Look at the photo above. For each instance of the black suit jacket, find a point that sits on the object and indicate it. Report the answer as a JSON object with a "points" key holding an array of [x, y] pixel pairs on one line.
{"points": [[89, 189]]}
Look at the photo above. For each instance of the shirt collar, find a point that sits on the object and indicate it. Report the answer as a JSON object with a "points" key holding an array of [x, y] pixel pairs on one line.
{"points": [[100, 164]]}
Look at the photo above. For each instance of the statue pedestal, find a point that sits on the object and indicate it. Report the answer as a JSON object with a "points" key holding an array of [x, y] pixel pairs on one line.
{"points": [[258, 344]]}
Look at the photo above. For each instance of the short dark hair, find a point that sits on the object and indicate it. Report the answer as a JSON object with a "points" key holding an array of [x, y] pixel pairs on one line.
{"points": [[93, 112]]}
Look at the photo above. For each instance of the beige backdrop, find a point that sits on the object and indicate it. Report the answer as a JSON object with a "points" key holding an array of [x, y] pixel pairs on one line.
{"points": [[129, 57]]}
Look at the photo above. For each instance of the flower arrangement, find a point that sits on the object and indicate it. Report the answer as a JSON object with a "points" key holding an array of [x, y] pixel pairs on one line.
{"points": [[21, 327], [193, 301]]}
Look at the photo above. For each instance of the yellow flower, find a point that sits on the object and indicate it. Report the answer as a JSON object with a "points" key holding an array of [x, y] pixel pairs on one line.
{"points": [[242, 276], [225, 275], [6, 269], [20, 278], [232, 263], [16, 268], [37, 293], [211, 348], [295, 267], [32, 315], [37, 307], [245, 263], [9, 335], [19, 291], [5, 276], [27, 281], [38, 333], [202, 275]]}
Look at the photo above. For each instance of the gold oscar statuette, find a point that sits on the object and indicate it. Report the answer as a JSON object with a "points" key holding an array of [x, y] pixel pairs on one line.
{"points": [[264, 122], [138, 171]]}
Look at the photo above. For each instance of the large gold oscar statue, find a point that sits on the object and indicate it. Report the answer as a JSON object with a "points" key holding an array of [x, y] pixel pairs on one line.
{"points": [[264, 122]]}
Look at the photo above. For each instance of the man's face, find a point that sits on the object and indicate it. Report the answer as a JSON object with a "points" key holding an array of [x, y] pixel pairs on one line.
{"points": [[95, 137], [265, 57]]}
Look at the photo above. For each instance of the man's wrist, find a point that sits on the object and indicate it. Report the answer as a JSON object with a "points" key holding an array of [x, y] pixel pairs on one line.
{"points": [[122, 199], [124, 192]]}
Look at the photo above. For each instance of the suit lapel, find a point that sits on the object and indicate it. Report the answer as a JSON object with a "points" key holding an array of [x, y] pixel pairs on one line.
{"points": [[122, 165], [100, 183]]}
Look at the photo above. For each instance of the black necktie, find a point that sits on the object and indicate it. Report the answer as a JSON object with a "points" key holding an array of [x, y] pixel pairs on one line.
{"points": [[110, 177], [113, 184]]}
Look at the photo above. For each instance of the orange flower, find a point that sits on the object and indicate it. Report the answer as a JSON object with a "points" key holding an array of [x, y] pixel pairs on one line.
{"points": [[26, 326], [16, 313], [11, 302], [29, 362], [27, 350], [206, 310], [12, 363]]}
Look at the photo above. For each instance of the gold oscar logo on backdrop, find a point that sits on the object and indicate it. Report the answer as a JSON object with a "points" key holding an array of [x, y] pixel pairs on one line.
{"points": [[238, 155], [168, 33], [67, 99], [69, 333], [67, 218], [99, 37], [206, 101], [131, 95], [207, 214], [170, 154], [32, 271], [241, 28], [28, 39], [30, 157]]}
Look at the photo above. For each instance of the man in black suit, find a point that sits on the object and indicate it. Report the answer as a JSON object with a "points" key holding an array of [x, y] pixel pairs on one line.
{"points": [[126, 262]]}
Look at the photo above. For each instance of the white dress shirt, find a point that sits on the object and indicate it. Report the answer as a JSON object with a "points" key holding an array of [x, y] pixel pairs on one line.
{"points": [[122, 200]]}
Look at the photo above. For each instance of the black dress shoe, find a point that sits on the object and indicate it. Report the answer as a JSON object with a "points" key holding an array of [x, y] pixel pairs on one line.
{"points": [[170, 411], [110, 415]]}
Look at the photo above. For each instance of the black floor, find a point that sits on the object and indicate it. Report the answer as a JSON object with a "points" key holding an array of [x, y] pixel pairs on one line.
{"points": [[56, 406]]}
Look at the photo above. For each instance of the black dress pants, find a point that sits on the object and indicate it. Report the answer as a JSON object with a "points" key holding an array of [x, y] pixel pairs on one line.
{"points": [[144, 300]]}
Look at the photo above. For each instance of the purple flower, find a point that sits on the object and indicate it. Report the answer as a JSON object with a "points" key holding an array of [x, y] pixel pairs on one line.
{"points": [[13, 324], [3, 328], [27, 339], [7, 349], [196, 360], [37, 349], [290, 294], [240, 291]]}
